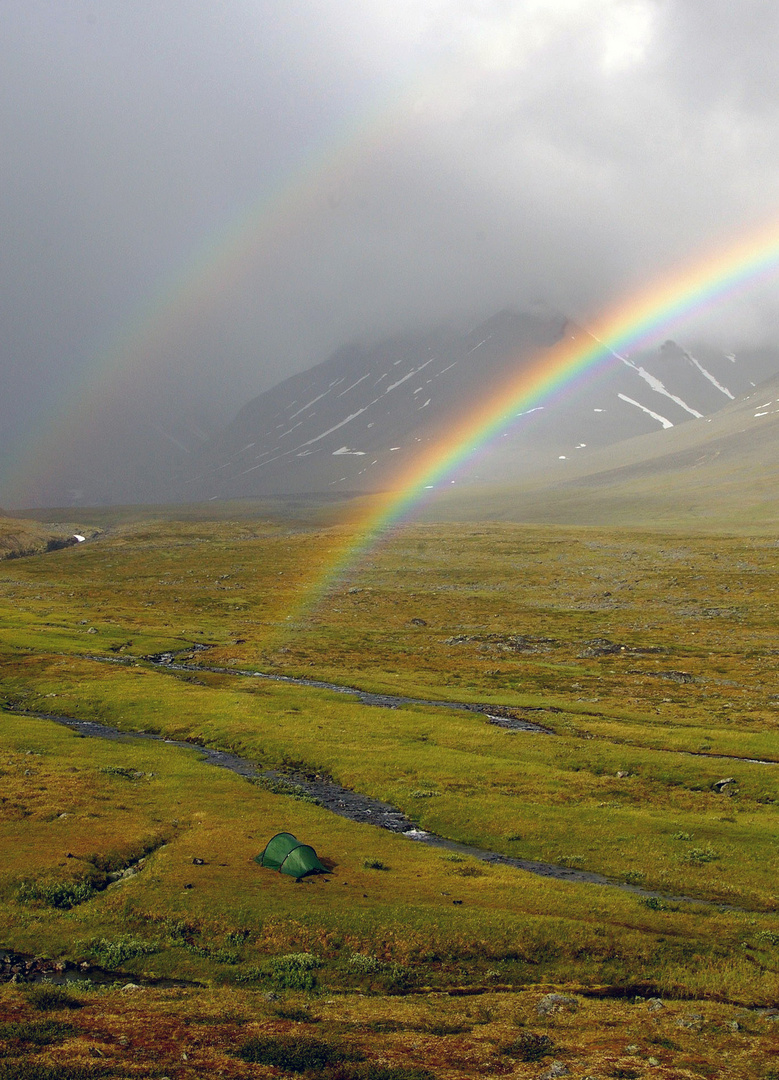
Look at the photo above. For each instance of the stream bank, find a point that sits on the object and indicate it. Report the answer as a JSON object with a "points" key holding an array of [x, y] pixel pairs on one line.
{"points": [[362, 808]]}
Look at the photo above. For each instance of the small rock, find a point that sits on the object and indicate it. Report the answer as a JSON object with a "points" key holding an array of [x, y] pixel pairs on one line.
{"points": [[655, 1005], [733, 1025], [91, 630], [131, 986], [418, 622], [198, 862], [557, 1068], [693, 1021], [271, 996], [652, 1061], [621, 775], [720, 785], [632, 1049], [553, 1003]]}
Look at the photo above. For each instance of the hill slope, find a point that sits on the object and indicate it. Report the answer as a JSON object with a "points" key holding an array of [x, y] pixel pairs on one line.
{"points": [[20, 536], [357, 421], [718, 472]]}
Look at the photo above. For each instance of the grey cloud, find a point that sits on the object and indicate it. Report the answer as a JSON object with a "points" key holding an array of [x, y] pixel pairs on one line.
{"points": [[441, 159]]}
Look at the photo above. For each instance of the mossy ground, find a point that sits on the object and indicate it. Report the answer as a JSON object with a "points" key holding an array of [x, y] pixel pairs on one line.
{"points": [[148, 1033], [647, 656]]}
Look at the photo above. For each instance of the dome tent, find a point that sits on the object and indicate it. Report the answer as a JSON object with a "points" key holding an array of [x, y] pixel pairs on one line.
{"points": [[285, 853]]}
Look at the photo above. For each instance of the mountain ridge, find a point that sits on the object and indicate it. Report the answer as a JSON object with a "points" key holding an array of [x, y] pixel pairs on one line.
{"points": [[355, 422]]}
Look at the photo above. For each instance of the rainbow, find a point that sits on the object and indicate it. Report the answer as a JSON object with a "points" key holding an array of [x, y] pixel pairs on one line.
{"points": [[208, 273], [684, 293]]}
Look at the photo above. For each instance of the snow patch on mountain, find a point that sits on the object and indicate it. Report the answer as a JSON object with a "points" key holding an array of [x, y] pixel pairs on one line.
{"points": [[655, 416], [335, 427], [348, 388], [414, 371], [707, 374], [660, 388], [652, 381], [312, 402]]}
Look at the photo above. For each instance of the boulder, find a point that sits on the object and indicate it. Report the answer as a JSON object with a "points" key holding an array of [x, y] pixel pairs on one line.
{"points": [[555, 1003]]}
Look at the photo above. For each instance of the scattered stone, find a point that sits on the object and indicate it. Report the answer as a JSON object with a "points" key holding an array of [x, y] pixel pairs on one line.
{"points": [[655, 1005], [721, 785], [198, 862], [622, 775], [418, 622], [130, 987], [733, 1025], [604, 647], [557, 1068], [91, 630], [692, 1021], [271, 996], [653, 1061], [554, 1003], [632, 1049]]}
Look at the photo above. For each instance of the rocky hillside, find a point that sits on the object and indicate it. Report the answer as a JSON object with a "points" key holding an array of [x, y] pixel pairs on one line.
{"points": [[355, 422]]}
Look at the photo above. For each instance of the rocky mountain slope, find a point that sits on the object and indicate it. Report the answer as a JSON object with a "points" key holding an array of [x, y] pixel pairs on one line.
{"points": [[354, 422], [721, 471]]}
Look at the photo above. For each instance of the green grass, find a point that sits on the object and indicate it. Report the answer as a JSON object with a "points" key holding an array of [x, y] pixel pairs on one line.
{"points": [[645, 654]]}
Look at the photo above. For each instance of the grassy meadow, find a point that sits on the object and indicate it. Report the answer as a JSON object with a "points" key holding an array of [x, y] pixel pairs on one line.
{"points": [[649, 657]]}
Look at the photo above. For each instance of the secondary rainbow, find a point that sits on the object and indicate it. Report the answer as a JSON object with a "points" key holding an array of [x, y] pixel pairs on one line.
{"points": [[255, 233], [680, 294]]}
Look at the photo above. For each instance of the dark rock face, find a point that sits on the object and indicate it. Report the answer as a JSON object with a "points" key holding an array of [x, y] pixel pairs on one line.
{"points": [[15, 966], [357, 422]]}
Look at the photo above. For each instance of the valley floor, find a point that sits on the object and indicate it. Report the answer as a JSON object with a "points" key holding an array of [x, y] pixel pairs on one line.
{"points": [[650, 659]]}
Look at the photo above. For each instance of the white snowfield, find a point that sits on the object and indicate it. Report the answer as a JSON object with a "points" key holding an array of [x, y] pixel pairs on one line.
{"points": [[374, 407], [656, 384], [348, 388], [407, 376], [312, 402], [655, 416], [659, 388], [709, 376]]}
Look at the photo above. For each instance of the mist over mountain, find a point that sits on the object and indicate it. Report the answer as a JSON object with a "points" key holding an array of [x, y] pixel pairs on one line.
{"points": [[356, 422], [717, 473]]}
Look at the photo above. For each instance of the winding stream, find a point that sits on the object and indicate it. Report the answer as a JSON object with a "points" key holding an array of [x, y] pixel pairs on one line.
{"points": [[496, 714], [351, 804], [358, 807]]}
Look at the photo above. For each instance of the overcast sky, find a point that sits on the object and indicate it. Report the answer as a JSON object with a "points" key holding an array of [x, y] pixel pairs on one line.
{"points": [[376, 166]]}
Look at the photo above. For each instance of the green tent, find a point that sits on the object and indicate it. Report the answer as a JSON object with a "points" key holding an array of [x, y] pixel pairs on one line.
{"points": [[285, 853]]}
